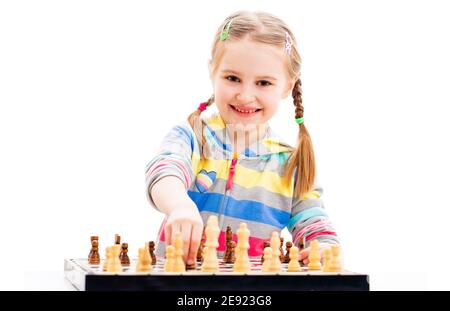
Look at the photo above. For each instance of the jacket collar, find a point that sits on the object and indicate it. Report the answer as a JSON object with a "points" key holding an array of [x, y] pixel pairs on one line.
{"points": [[216, 135]]}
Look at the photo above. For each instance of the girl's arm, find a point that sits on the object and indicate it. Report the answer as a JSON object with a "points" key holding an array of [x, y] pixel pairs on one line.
{"points": [[168, 193], [168, 177], [309, 221], [170, 197]]}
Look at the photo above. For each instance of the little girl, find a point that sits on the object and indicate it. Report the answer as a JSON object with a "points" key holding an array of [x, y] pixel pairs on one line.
{"points": [[232, 164]]}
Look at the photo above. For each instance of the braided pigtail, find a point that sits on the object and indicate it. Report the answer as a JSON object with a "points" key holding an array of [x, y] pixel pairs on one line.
{"points": [[302, 159], [195, 122]]}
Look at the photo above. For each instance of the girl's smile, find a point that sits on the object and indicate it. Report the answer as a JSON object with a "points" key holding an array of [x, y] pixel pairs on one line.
{"points": [[245, 111]]}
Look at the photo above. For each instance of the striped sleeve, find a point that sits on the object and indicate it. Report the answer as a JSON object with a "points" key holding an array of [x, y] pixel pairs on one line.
{"points": [[173, 158], [309, 220]]}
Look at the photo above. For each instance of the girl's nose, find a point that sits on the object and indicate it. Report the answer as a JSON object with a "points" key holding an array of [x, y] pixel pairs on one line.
{"points": [[246, 94]]}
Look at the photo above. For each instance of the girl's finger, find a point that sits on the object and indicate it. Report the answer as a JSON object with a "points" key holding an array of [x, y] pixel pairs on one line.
{"points": [[168, 234], [196, 236], [175, 228], [186, 230]]}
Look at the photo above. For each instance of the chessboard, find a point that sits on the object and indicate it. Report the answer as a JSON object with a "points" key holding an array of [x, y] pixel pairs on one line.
{"points": [[88, 277]]}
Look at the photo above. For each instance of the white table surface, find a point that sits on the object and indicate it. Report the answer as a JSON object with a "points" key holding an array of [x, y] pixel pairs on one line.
{"points": [[46, 281]]}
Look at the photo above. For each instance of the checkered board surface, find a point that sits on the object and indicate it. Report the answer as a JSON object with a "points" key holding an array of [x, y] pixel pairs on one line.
{"points": [[84, 276]]}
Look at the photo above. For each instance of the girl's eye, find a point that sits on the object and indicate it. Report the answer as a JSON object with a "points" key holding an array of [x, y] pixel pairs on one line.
{"points": [[232, 78], [236, 79], [265, 83]]}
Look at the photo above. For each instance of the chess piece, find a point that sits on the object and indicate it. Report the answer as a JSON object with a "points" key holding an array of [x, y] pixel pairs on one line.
{"points": [[94, 256], [267, 259], [151, 246], [230, 256], [200, 252], [201, 247], [107, 259], [114, 264], [301, 244], [124, 259], [145, 262], [229, 234], [314, 256], [117, 240], [275, 264], [281, 249], [170, 258], [226, 256], [266, 244], [191, 266], [179, 263], [327, 259], [212, 231], [288, 248], [242, 263], [294, 265], [335, 264], [93, 237], [229, 238]]}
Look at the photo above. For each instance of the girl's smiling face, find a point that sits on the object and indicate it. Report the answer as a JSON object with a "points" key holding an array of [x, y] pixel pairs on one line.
{"points": [[249, 82]]}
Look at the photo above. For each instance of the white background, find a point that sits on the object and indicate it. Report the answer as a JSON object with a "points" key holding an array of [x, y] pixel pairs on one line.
{"points": [[89, 88]]}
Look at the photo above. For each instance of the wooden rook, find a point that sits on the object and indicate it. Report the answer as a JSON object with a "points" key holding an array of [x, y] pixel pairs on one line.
{"points": [[117, 240]]}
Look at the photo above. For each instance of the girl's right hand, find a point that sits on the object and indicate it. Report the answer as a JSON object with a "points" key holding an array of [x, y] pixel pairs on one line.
{"points": [[185, 218]]}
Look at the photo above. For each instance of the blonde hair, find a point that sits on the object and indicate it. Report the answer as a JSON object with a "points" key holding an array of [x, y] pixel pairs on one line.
{"points": [[265, 28]]}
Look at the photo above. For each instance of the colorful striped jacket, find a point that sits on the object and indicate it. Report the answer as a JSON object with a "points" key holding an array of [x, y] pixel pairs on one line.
{"points": [[249, 188]]}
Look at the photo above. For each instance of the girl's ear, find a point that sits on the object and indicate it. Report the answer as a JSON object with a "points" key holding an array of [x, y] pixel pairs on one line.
{"points": [[210, 73], [289, 87], [210, 70]]}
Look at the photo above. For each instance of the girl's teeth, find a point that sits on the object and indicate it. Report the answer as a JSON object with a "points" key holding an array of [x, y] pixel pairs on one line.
{"points": [[245, 111]]}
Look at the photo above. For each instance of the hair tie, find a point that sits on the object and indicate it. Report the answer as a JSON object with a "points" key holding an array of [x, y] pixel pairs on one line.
{"points": [[299, 120], [288, 43], [225, 34], [202, 107]]}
